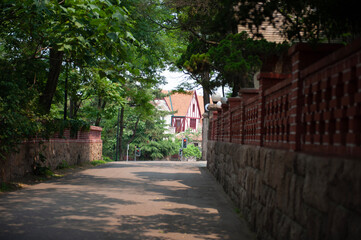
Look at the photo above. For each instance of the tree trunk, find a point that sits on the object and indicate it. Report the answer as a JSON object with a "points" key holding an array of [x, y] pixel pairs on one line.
{"points": [[71, 108], [206, 99], [239, 81], [134, 131], [237, 84], [121, 130], [101, 107], [55, 61], [74, 105], [66, 91], [205, 85]]}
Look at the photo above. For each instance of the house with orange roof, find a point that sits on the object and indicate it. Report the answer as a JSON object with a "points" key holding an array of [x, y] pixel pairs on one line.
{"points": [[185, 110]]}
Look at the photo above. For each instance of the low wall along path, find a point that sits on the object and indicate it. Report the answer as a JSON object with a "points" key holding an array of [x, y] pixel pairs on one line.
{"points": [[85, 147], [289, 153]]}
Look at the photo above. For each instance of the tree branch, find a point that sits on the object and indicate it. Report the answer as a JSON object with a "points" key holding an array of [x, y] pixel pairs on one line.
{"points": [[134, 130], [201, 37]]}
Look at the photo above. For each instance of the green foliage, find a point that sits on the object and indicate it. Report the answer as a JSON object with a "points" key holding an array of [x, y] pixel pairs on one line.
{"points": [[7, 187], [239, 55], [107, 159], [309, 21], [112, 49], [198, 63], [97, 162], [63, 165], [100, 162], [192, 151], [159, 149], [18, 115], [190, 135], [59, 125], [141, 122], [40, 169]]}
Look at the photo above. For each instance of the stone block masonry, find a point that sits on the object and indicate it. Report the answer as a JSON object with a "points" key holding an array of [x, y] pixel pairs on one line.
{"points": [[289, 153], [85, 147], [289, 195]]}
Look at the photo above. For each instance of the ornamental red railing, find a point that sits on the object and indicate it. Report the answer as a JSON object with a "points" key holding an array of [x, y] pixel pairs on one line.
{"points": [[315, 108]]}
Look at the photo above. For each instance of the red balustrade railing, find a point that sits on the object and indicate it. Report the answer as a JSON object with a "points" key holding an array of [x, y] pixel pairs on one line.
{"points": [[316, 108], [276, 120]]}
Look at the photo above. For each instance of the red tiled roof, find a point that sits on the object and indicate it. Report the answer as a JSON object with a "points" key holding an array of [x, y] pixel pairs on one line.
{"points": [[179, 102]]}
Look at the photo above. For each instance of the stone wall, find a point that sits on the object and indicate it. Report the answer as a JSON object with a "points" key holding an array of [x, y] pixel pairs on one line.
{"points": [[289, 195], [85, 147]]}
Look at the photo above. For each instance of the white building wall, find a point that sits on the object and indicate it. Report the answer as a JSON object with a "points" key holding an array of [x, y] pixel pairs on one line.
{"points": [[193, 114]]}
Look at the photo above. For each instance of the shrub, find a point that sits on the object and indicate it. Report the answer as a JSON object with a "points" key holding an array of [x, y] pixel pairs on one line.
{"points": [[192, 151], [159, 149]]}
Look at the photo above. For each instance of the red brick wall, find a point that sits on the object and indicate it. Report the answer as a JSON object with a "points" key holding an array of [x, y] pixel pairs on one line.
{"points": [[316, 108], [85, 147]]}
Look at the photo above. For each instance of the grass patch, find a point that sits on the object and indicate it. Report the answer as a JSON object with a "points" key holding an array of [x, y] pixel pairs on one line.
{"points": [[100, 162], [107, 159], [97, 162]]}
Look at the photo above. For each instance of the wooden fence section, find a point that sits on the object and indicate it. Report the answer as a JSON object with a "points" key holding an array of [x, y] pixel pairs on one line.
{"points": [[315, 108]]}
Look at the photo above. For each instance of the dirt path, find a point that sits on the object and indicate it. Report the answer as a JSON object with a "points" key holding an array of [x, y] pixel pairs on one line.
{"points": [[134, 200]]}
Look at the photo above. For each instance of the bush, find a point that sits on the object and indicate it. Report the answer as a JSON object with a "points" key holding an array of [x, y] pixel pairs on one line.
{"points": [[159, 149], [102, 161], [63, 165], [192, 151], [107, 159]]}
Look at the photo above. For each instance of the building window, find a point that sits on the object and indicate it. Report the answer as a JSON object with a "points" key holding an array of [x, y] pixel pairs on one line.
{"points": [[193, 123], [178, 123], [178, 126], [194, 107]]}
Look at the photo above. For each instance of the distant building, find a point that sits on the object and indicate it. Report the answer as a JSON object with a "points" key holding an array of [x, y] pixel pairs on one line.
{"points": [[185, 111]]}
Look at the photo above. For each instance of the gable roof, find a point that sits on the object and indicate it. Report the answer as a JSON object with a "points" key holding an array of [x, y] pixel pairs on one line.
{"points": [[180, 102]]}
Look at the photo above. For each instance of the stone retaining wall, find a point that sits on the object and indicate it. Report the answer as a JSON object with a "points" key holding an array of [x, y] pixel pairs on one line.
{"points": [[85, 147], [289, 195]]}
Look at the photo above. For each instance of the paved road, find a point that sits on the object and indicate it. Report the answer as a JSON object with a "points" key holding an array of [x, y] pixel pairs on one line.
{"points": [[124, 200]]}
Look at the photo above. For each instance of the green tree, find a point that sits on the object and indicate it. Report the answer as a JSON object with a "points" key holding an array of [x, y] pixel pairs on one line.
{"points": [[35, 39], [195, 61], [237, 58], [207, 23], [95, 56], [304, 21]]}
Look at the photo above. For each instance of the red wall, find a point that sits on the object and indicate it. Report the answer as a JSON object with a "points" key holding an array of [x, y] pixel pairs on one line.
{"points": [[85, 147], [316, 108]]}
